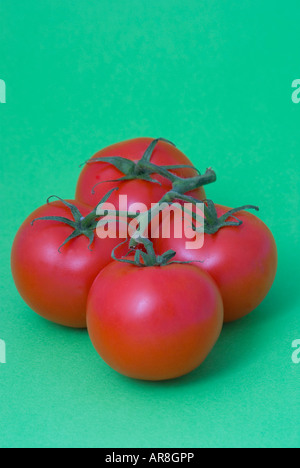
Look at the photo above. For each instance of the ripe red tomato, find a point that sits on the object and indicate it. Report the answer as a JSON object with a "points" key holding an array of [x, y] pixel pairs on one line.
{"points": [[138, 191], [242, 260], [56, 284], [154, 323]]}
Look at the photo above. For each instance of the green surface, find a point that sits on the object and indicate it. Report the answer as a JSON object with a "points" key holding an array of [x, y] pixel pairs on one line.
{"points": [[214, 77]]}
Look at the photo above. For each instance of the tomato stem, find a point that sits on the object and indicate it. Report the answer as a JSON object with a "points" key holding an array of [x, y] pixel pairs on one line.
{"points": [[213, 223], [147, 258], [144, 169]]}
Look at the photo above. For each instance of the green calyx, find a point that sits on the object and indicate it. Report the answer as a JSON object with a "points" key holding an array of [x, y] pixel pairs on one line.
{"points": [[144, 170], [213, 223], [83, 226], [146, 257]]}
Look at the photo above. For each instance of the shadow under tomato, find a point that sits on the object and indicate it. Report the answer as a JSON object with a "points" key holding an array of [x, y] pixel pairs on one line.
{"points": [[225, 356], [240, 344]]}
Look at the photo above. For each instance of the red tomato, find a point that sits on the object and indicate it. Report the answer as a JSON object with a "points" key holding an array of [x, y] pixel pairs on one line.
{"points": [[56, 284], [138, 191], [241, 259], [154, 323]]}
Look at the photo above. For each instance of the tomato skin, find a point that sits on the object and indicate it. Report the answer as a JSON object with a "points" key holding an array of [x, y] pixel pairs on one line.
{"points": [[138, 191], [56, 285], [154, 323], [242, 261]]}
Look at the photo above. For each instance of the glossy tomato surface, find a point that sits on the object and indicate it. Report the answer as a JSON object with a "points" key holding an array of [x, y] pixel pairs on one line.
{"points": [[242, 260], [137, 191], [154, 323], [56, 284]]}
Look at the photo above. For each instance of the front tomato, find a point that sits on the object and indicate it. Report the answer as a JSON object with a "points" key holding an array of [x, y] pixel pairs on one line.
{"points": [[154, 323]]}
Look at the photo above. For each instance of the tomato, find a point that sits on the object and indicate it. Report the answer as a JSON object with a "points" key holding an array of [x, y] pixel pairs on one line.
{"points": [[137, 191], [241, 259], [55, 283], [154, 323]]}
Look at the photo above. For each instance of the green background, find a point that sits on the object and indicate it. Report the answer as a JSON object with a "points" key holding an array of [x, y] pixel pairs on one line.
{"points": [[214, 77]]}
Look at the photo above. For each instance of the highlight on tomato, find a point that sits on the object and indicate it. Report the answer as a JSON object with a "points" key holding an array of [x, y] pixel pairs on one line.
{"points": [[152, 318]]}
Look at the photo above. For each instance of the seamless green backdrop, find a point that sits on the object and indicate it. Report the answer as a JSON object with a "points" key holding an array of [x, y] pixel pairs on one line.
{"points": [[215, 77]]}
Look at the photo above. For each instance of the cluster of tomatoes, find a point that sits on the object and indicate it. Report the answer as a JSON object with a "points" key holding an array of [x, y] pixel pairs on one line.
{"points": [[153, 308]]}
